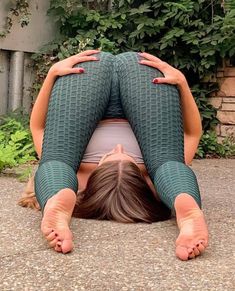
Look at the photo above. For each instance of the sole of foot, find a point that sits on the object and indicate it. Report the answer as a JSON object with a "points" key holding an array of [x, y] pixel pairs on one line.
{"points": [[193, 237], [56, 220]]}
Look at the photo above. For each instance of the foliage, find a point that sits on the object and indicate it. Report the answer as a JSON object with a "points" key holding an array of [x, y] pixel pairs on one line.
{"points": [[19, 9], [209, 146], [191, 35], [16, 146]]}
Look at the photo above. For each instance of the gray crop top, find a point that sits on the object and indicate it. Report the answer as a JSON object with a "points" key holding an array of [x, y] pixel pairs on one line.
{"points": [[106, 136]]}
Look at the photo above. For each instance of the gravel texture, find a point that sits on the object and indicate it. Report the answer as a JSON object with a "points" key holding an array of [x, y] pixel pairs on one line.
{"points": [[113, 256]]}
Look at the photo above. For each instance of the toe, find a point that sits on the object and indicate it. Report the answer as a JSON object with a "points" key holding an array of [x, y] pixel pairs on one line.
{"points": [[67, 246], [204, 243], [58, 247], [53, 243], [47, 231], [200, 247], [182, 253], [196, 251], [191, 254], [51, 236]]}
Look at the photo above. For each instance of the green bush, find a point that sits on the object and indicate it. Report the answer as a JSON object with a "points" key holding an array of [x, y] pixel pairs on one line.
{"points": [[16, 146], [209, 146], [193, 36]]}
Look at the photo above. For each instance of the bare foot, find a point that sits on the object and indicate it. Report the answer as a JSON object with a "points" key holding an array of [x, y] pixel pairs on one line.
{"points": [[56, 220], [193, 237]]}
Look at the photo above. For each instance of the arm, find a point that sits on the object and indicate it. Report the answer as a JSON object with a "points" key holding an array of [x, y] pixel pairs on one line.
{"points": [[191, 121], [39, 112], [191, 117]]}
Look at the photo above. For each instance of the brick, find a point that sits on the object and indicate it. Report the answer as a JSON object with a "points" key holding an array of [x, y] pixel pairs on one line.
{"points": [[227, 130], [219, 69], [220, 74], [227, 86], [229, 100], [228, 107], [226, 117], [221, 94], [216, 102], [229, 72]]}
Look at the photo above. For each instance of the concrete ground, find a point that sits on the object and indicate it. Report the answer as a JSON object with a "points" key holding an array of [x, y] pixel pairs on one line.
{"points": [[112, 256]]}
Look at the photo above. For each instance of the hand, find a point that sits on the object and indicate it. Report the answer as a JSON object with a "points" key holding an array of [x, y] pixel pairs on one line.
{"points": [[66, 66], [171, 75]]}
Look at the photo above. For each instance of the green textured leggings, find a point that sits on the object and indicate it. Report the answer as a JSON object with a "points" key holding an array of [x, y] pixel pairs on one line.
{"points": [[115, 86]]}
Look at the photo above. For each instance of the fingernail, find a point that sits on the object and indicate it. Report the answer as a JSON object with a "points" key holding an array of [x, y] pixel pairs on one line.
{"points": [[155, 81], [81, 70]]}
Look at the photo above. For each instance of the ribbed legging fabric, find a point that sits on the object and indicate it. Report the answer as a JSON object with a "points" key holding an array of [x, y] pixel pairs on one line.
{"points": [[114, 87]]}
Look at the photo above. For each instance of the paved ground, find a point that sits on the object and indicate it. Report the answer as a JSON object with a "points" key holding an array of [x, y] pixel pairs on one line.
{"points": [[112, 256]]}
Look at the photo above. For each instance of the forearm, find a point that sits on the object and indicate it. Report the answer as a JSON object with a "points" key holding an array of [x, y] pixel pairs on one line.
{"points": [[191, 121], [39, 112], [191, 116]]}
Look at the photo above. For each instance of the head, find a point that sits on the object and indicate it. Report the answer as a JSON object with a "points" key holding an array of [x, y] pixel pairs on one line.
{"points": [[118, 191]]}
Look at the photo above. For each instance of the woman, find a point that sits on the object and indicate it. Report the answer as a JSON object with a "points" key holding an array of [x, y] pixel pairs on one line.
{"points": [[100, 97]]}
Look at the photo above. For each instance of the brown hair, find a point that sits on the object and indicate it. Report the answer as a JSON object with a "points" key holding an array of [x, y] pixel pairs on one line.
{"points": [[118, 191]]}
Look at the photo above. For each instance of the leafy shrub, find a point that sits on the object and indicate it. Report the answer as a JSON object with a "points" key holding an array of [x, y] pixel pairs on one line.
{"points": [[210, 147], [193, 36], [16, 146]]}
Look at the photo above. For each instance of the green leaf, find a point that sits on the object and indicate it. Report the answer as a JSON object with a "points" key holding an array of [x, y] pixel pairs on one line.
{"points": [[141, 25]]}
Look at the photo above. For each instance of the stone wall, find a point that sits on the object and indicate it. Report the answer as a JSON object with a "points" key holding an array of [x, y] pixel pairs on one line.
{"points": [[224, 101]]}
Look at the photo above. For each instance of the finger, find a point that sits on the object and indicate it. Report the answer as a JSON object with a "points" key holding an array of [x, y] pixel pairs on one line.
{"points": [[79, 59], [150, 57], [158, 65], [88, 52], [77, 70], [68, 71], [163, 81]]}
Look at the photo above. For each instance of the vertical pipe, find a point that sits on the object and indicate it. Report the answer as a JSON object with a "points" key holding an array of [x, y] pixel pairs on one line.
{"points": [[110, 5], [16, 80], [29, 75], [4, 76]]}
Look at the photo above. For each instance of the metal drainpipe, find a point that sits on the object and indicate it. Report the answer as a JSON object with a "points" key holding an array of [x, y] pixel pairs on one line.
{"points": [[16, 80]]}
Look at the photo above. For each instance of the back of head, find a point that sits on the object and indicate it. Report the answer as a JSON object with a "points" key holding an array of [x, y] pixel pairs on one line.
{"points": [[118, 191]]}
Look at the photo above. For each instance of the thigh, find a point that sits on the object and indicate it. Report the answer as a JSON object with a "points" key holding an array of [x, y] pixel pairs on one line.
{"points": [[77, 103], [153, 111]]}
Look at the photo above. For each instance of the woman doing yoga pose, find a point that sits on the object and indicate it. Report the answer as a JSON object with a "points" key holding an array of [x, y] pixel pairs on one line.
{"points": [[115, 138]]}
